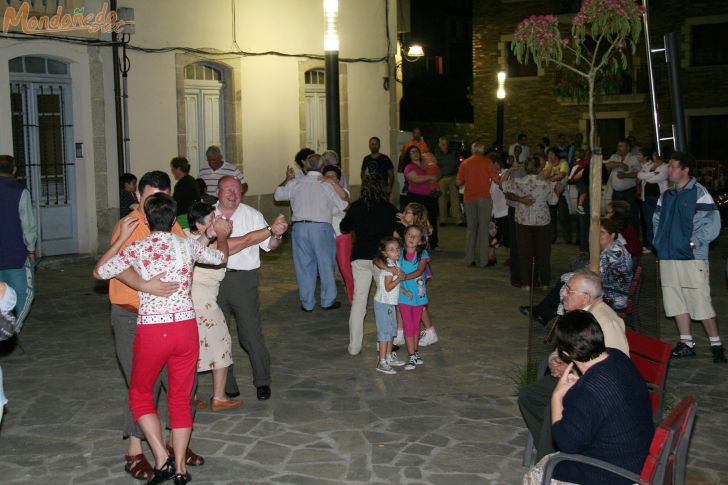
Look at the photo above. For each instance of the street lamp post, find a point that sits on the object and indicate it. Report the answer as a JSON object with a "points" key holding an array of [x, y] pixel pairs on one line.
{"points": [[501, 95], [331, 60]]}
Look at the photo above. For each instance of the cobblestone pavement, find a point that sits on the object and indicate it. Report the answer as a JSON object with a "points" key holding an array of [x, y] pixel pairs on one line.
{"points": [[332, 418]]}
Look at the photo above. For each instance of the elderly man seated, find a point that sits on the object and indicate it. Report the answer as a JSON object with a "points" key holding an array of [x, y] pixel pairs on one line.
{"points": [[615, 270], [583, 291]]}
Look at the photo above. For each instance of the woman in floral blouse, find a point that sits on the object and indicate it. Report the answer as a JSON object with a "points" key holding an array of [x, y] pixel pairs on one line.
{"points": [[615, 265], [533, 220], [166, 334]]}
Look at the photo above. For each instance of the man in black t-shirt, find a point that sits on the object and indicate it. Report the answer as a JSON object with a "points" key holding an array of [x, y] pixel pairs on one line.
{"points": [[379, 163]]}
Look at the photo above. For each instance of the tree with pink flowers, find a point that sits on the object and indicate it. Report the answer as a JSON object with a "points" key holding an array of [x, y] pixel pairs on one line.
{"points": [[601, 33]]}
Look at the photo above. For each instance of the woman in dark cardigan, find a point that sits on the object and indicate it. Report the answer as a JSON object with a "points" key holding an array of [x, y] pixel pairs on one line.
{"points": [[603, 414], [371, 218]]}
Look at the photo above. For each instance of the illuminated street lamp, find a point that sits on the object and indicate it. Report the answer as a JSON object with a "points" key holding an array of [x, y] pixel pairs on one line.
{"points": [[331, 59], [501, 95], [415, 52]]}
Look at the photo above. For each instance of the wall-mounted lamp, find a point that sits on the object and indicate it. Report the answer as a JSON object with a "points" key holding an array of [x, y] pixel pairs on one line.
{"points": [[415, 52]]}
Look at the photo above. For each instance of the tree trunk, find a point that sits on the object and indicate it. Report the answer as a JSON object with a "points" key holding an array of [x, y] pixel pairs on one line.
{"points": [[595, 191]]}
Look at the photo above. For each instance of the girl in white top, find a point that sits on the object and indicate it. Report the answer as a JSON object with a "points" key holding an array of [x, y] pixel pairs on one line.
{"points": [[385, 302]]}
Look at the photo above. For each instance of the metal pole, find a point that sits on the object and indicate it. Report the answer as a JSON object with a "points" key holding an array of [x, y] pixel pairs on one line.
{"points": [[651, 75], [125, 104], [333, 128], [678, 115], [120, 163], [499, 122]]}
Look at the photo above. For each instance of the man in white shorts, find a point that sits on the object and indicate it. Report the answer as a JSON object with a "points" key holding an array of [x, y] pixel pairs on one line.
{"points": [[686, 220]]}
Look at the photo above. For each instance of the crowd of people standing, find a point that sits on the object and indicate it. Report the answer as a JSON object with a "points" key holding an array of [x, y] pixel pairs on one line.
{"points": [[184, 263]]}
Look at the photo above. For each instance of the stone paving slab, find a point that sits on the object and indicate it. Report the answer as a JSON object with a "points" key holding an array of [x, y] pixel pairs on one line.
{"points": [[332, 419]]}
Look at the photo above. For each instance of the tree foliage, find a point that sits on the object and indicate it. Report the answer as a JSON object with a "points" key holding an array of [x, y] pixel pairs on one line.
{"points": [[601, 33]]}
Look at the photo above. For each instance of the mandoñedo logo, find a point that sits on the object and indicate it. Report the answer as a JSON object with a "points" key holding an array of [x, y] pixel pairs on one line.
{"points": [[106, 21]]}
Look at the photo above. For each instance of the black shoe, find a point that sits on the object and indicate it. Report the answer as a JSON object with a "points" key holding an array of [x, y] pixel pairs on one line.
{"points": [[163, 474], [683, 350], [180, 479], [263, 393], [306, 310], [333, 306], [718, 354], [462, 224], [443, 224], [232, 394], [395, 348]]}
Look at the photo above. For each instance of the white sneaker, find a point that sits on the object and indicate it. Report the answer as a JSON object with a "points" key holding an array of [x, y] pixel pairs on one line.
{"points": [[429, 337], [393, 360], [646, 250], [411, 363], [399, 339], [418, 359], [385, 368]]}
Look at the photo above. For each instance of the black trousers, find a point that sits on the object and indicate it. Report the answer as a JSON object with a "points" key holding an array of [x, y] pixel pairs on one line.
{"points": [[534, 401], [239, 297]]}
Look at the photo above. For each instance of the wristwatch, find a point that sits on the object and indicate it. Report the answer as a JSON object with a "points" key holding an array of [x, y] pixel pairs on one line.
{"points": [[274, 236]]}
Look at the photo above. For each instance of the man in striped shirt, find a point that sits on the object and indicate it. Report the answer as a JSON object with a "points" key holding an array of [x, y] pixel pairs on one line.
{"points": [[218, 168]]}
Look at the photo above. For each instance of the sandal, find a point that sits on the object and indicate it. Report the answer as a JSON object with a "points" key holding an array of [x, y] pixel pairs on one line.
{"points": [[192, 458], [138, 467]]}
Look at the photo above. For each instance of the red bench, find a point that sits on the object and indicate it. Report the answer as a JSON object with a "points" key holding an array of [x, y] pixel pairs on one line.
{"points": [[629, 314], [651, 356], [667, 458]]}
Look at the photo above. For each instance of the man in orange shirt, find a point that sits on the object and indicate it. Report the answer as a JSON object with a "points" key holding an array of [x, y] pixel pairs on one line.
{"points": [[476, 174], [124, 307]]}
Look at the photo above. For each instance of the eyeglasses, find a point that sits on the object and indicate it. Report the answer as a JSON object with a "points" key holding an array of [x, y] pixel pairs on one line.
{"points": [[567, 289]]}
